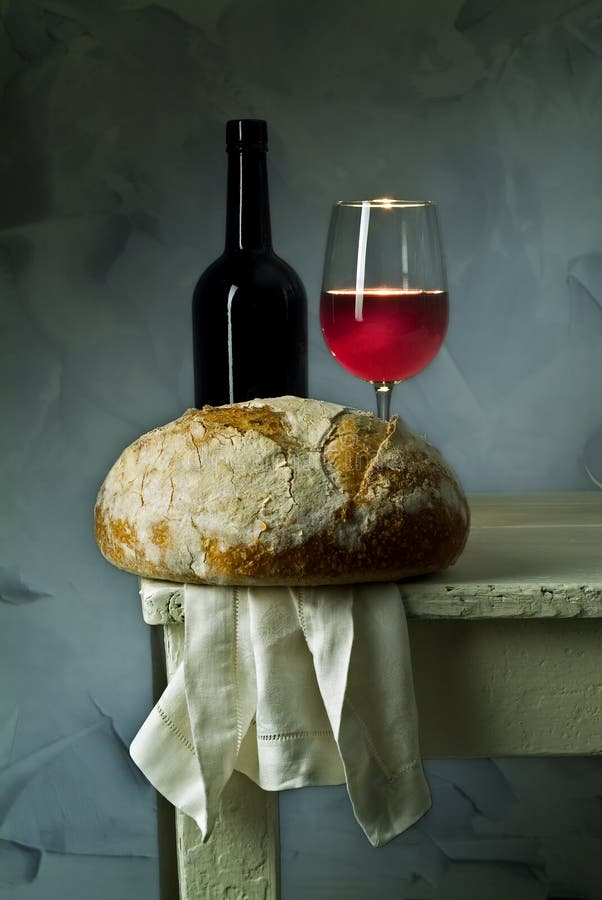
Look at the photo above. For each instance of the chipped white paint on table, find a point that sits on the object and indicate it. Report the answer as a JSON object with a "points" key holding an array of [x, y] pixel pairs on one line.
{"points": [[506, 650]]}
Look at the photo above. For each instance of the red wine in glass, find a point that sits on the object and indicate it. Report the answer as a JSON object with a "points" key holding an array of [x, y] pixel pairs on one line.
{"points": [[384, 303], [401, 331]]}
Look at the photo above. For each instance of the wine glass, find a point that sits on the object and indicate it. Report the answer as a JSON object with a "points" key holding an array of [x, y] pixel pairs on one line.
{"points": [[384, 303]]}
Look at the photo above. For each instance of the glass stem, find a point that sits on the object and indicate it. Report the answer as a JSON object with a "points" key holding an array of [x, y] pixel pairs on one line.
{"points": [[383, 398]]}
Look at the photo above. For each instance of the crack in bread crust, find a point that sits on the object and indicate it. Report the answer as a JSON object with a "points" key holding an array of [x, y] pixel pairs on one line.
{"points": [[352, 447]]}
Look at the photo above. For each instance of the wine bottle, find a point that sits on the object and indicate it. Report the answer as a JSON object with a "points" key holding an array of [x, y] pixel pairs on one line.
{"points": [[249, 307]]}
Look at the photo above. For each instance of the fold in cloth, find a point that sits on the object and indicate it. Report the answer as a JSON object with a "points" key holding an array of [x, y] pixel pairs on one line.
{"points": [[292, 687]]}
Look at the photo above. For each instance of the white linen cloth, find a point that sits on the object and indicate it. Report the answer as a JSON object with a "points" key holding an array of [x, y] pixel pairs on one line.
{"points": [[292, 687]]}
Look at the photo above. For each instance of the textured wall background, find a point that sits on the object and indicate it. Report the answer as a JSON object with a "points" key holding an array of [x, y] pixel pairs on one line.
{"points": [[112, 187]]}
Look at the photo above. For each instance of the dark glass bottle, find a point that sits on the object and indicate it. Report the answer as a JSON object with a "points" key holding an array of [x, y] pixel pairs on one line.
{"points": [[249, 312]]}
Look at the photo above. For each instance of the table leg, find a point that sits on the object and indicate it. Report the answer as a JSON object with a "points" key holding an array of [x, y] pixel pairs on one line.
{"points": [[241, 857]]}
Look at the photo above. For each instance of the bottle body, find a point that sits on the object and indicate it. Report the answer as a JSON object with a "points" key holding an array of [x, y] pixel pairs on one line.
{"points": [[249, 307], [249, 330]]}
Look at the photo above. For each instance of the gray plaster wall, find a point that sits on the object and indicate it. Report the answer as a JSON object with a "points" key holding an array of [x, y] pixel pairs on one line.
{"points": [[112, 185]]}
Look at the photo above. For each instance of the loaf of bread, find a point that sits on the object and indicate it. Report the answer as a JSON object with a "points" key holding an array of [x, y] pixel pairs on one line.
{"points": [[281, 491]]}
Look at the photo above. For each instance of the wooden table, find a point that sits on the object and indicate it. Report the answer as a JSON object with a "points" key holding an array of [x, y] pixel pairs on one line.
{"points": [[506, 649]]}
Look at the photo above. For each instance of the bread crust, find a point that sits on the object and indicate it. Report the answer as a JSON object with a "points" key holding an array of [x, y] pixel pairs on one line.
{"points": [[281, 491]]}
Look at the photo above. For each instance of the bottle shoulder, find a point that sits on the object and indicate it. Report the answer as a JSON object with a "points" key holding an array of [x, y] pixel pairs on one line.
{"points": [[286, 267], [257, 268]]}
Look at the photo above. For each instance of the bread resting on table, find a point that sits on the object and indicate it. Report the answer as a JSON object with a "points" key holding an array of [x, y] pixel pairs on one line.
{"points": [[282, 491]]}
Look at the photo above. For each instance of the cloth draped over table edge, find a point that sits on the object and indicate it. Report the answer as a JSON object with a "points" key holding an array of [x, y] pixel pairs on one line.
{"points": [[293, 687]]}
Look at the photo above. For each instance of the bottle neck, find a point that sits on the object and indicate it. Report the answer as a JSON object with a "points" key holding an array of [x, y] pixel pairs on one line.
{"points": [[248, 209]]}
